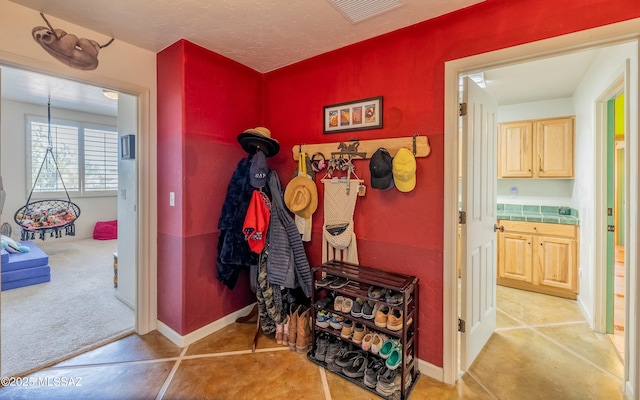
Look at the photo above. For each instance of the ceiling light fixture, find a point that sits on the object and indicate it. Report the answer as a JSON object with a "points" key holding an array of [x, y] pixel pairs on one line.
{"points": [[110, 94]]}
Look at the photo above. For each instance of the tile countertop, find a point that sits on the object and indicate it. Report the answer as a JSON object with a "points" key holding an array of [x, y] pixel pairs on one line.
{"points": [[548, 214]]}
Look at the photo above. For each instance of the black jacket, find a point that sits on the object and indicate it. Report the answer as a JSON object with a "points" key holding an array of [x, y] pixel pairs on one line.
{"points": [[234, 253]]}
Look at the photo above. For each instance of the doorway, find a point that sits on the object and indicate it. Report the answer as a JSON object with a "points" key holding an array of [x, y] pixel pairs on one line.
{"points": [[84, 107], [613, 122], [452, 69], [616, 276]]}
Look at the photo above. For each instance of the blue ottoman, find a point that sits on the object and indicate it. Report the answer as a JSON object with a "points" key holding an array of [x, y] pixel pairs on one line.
{"points": [[24, 269]]}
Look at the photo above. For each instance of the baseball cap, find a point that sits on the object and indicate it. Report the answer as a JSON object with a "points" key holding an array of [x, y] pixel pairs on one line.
{"points": [[404, 170], [258, 170], [380, 167]]}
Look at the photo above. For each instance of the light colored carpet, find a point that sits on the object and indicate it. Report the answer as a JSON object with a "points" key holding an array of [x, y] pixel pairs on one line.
{"points": [[76, 311]]}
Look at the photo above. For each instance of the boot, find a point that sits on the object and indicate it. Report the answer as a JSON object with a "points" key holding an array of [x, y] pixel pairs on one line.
{"points": [[303, 337], [293, 326], [279, 333], [285, 338]]}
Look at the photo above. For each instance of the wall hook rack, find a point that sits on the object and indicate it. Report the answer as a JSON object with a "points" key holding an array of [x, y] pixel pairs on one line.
{"points": [[418, 145], [350, 150]]}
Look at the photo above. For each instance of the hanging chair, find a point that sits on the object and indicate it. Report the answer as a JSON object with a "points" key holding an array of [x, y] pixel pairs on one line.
{"points": [[53, 217]]}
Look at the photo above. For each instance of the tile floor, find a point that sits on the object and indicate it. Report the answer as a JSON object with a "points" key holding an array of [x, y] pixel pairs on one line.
{"points": [[542, 349]]}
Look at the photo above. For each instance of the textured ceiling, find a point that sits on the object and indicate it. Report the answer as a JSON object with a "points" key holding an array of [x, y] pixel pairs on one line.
{"points": [[246, 36], [261, 34]]}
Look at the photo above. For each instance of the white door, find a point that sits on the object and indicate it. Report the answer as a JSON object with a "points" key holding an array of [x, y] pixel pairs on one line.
{"points": [[2, 204], [478, 201]]}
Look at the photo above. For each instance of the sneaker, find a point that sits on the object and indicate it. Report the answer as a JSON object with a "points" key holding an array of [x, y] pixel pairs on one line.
{"points": [[387, 347], [336, 321], [366, 342], [347, 329], [376, 292], [367, 309], [324, 302], [331, 358], [381, 312], [337, 303], [372, 372], [394, 320], [376, 342], [356, 310], [359, 331], [347, 305], [338, 283], [387, 376], [391, 390], [324, 282], [356, 368], [322, 342], [394, 298], [322, 318], [333, 349]]}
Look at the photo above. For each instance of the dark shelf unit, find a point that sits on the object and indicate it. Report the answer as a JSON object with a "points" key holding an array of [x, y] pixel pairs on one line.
{"points": [[361, 278]]}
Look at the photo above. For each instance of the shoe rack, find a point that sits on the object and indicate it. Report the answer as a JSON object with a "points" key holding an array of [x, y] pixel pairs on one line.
{"points": [[360, 280]]}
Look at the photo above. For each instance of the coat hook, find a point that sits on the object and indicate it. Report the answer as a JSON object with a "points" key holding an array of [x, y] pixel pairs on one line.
{"points": [[415, 137]]}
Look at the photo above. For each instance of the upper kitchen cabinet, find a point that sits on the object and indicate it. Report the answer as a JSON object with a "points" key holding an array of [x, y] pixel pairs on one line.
{"points": [[541, 148]]}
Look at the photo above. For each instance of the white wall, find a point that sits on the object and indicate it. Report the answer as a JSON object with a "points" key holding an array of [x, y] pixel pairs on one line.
{"points": [[536, 191], [14, 165], [127, 205], [607, 66], [125, 68]]}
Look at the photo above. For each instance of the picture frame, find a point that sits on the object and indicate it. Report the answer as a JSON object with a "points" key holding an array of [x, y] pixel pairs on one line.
{"points": [[354, 115]]}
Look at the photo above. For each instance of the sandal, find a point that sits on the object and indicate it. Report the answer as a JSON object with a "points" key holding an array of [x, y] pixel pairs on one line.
{"points": [[376, 292], [324, 282], [338, 283]]}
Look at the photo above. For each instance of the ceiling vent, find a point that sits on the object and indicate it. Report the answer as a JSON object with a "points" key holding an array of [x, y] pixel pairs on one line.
{"points": [[359, 10]]}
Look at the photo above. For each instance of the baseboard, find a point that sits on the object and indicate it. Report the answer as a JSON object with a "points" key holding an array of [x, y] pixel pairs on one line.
{"points": [[431, 370], [585, 312], [125, 302], [184, 341]]}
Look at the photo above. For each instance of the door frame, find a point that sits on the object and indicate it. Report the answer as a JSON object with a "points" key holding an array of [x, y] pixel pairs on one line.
{"points": [[146, 254], [620, 83], [596, 37]]}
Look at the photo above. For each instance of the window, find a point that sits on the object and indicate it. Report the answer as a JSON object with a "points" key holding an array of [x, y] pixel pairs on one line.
{"points": [[86, 156]]}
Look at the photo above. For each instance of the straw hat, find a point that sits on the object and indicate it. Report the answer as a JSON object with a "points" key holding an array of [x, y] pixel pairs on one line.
{"points": [[259, 138], [301, 196]]}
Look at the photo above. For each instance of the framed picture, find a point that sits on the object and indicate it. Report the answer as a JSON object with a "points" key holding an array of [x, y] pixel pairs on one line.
{"points": [[354, 115]]}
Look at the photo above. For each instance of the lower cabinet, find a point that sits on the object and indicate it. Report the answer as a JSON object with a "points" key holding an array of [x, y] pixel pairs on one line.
{"points": [[365, 324], [540, 257]]}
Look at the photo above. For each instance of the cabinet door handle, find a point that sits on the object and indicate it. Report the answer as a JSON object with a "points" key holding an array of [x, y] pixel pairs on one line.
{"points": [[498, 228], [540, 163]]}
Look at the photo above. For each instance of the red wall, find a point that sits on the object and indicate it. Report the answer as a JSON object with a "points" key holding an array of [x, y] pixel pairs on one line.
{"points": [[205, 100], [396, 231]]}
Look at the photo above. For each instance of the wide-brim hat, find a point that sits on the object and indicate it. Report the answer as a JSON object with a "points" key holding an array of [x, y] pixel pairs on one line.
{"points": [[301, 196], [259, 138]]}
